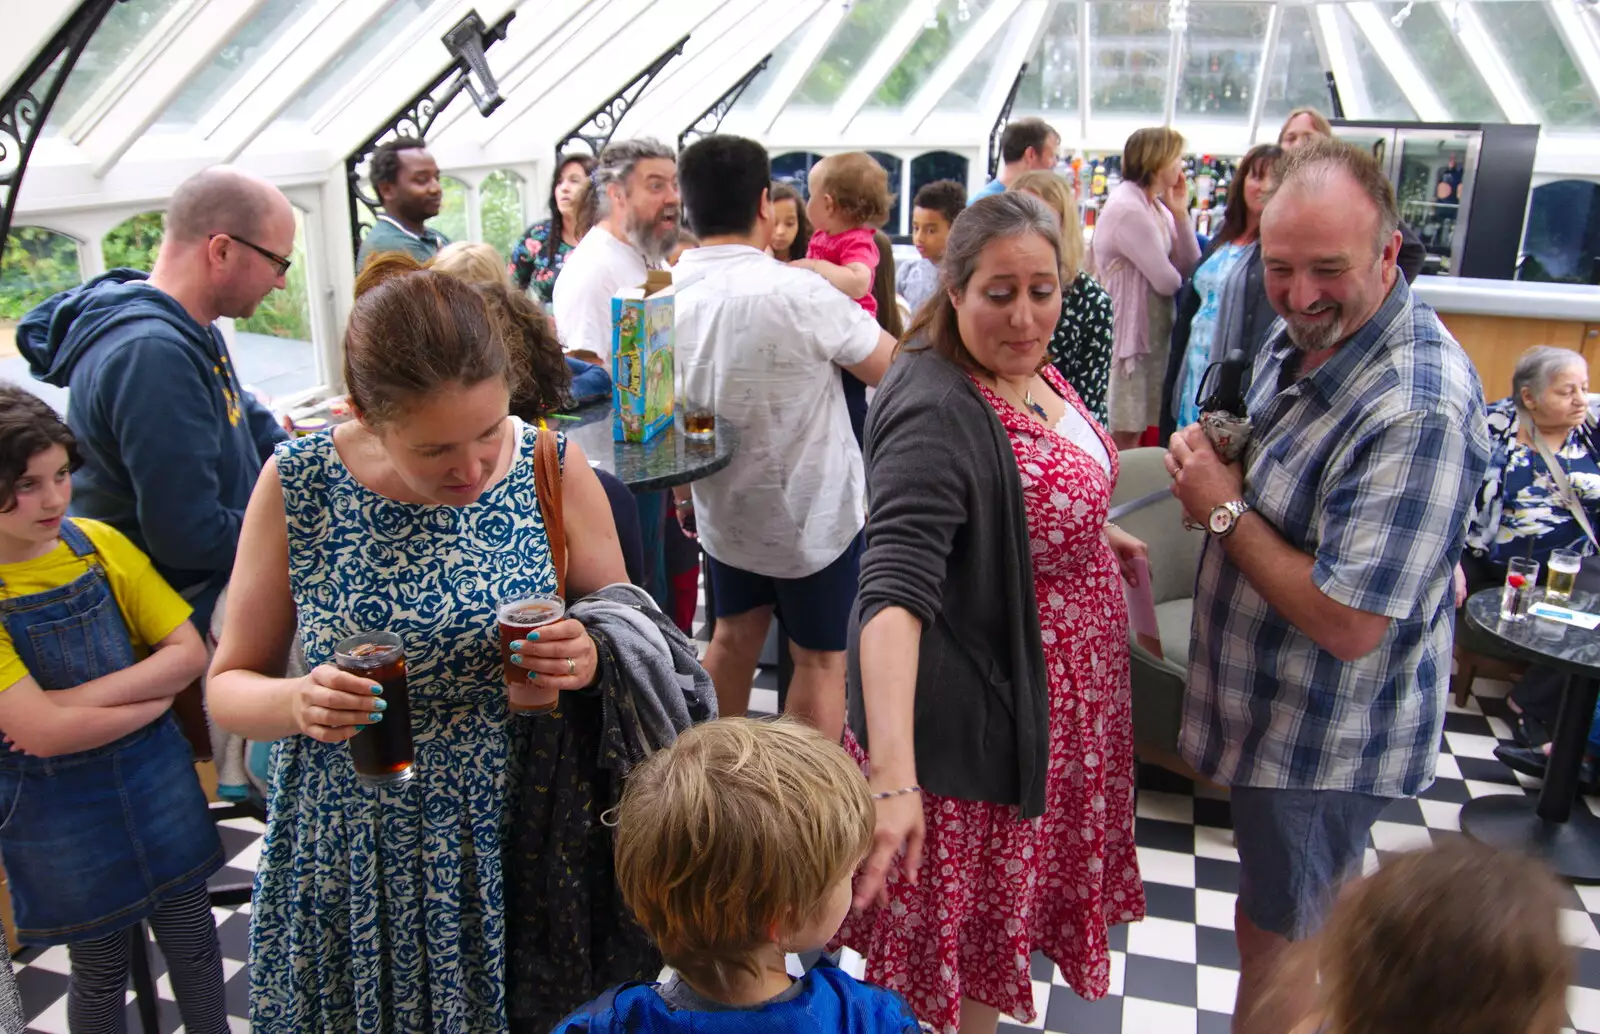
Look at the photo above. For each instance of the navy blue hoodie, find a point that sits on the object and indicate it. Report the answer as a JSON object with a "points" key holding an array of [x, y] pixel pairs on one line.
{"points": [[171, 444]]}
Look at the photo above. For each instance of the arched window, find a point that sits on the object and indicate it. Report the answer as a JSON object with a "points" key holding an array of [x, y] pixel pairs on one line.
{"points": [[37, 264], [134, 242], [895, 167], [1563, 235], [500, 201], [452, 218], [795, 167], [937, 165]]}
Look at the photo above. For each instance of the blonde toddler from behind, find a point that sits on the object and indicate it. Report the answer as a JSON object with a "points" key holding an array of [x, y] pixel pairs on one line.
{"points": [[735, 846]]}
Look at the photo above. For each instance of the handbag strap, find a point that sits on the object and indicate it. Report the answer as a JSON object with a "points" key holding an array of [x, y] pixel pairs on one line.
{"points": [[1563, 483], [547, 482]]}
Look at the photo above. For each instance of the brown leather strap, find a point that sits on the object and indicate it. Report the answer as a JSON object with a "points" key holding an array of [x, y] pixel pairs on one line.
{"points": [[547, 480]]}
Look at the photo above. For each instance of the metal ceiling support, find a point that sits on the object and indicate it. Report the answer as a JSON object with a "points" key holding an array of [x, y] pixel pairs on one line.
{"points": [[1485, 54], [596, 130], [467, 40], [1000, 122], [710, 120], [27, 102], [1178, 35], [1258, 99]]}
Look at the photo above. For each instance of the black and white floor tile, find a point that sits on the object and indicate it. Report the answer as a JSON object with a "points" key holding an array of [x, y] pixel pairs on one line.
{"points": [[1174, 973]]}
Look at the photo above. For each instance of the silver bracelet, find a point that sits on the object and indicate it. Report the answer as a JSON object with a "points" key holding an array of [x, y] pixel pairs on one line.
{"points": [[885, 795]]}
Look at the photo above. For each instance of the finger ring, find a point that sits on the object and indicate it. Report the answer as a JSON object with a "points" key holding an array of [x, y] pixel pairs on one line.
{"points": [[572, 666]]}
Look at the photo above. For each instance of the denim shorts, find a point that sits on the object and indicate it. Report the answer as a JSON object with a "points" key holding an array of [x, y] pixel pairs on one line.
{"points": [[1295, 848], [814, 611]]}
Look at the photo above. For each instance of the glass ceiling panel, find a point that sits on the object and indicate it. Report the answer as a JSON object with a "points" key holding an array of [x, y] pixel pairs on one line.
{"points": [[951, 21], [362, 49], [1221, 58], [1129, 43], [1384, 98], [124, 28], [1532, 46], [1294, 78], [761, 85], [1439, 55], [860, 32], [967, 92], [1051, 85], [270, 22]]}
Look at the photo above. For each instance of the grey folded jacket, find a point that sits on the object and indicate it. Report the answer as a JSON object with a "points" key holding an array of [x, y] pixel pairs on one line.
{"points": [[656, 663]]}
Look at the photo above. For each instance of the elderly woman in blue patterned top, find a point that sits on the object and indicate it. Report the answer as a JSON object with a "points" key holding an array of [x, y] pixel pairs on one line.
{"points": [[1519, 511]]}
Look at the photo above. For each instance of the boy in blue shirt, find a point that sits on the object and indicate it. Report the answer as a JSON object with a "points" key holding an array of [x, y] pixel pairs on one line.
{"points": [[734, 847]]}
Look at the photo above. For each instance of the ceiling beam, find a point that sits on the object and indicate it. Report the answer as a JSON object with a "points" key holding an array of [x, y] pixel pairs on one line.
{"points": [[960, 58], [182, 55], [1397, 59], [902, 34], [793, 72], [1580, 31], [524, 54], [1491, 64]]}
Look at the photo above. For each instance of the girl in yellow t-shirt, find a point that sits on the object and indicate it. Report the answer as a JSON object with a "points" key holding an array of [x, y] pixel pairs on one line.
{"points": [[105, 824]]}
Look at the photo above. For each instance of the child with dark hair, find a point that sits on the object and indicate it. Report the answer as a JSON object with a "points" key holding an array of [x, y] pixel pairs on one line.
{"points": [[791, 228], [107, 825], [933, 212]]}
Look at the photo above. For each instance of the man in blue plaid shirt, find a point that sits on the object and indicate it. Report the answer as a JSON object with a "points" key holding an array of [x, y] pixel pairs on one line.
{"points": [[1323, 605]]}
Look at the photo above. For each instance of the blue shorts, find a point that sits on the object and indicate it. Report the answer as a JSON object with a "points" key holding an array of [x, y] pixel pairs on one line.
{"points": [[1295, 848], [814, 611]]}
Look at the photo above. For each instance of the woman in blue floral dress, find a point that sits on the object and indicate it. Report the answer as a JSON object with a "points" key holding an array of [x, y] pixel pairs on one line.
{"points": [[537, 258], [383, 910]]}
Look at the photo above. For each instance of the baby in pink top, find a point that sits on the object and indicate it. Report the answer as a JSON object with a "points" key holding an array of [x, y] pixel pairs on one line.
{"points": [[849, 201]]}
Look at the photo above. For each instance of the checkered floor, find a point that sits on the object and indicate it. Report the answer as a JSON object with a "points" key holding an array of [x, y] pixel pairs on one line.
{"points": [[1174, 973]]}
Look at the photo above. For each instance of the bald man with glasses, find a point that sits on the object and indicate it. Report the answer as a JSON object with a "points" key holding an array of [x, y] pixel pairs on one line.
{"points": [[171, 441]]}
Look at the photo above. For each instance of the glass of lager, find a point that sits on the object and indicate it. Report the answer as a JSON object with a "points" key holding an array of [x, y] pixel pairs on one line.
{"points": [[1563, 566]]}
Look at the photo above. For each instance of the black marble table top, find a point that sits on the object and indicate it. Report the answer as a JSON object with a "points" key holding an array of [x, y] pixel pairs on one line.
{"points": [[667, 460], [1554, 644]]}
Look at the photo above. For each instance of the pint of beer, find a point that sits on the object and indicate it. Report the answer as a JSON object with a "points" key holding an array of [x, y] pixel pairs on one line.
{"points": [[517, 617]]}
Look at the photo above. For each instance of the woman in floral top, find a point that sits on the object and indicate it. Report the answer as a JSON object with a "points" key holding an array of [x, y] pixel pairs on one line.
{"points": [[1080, 347], [536, 259]]}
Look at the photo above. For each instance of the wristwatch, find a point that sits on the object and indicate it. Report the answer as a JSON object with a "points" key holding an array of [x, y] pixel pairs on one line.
{"points": [[1224, 517]]}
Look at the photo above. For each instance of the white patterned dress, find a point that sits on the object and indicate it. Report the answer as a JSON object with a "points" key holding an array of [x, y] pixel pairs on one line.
{"points": [[383, 911]]}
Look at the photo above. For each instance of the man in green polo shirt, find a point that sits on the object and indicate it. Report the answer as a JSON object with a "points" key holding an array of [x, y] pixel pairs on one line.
{"points": [[406, 179]]}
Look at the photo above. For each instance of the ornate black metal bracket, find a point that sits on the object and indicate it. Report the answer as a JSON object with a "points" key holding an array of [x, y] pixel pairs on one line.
{"points": [[710, 120], [595, 131], [27, 101], [468, 42], [1001, 120]]}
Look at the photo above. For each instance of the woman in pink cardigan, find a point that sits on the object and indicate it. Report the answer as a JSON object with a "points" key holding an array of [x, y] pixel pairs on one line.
{"points": [[1144, 248]]}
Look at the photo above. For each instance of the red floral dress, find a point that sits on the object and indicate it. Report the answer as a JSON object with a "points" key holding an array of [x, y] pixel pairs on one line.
{"points": [[994, 888]]}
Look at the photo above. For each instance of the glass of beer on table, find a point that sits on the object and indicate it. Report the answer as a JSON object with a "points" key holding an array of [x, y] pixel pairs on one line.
{"points": [[697, 398], [516, 617], [382, 752], [1563, 568]]}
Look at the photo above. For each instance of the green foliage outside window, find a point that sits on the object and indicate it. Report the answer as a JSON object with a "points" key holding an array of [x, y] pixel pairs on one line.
{"points": [[500, 199], [452, 218], [37, 264], [134, 242]]}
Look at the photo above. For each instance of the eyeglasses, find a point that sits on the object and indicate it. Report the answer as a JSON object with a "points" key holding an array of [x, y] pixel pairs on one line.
{"points": [[278, 261]]}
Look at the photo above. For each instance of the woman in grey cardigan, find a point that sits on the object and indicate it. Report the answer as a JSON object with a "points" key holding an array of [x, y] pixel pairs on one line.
{"points": [[989, 666]]}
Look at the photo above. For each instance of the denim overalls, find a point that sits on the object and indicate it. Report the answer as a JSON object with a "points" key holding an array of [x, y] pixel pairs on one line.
{"points": [[92, 841]]}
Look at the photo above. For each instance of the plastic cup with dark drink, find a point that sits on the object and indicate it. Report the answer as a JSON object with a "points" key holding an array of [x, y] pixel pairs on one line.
{"points": [[382, 752], [517, 617]]}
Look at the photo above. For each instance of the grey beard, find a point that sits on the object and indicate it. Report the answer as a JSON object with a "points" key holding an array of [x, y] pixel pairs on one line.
{"points": [[655, 247], [1318, 338]]}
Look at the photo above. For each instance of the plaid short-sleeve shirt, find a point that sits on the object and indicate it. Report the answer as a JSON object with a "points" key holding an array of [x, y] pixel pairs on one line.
{"points": [[1368, 463]]}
